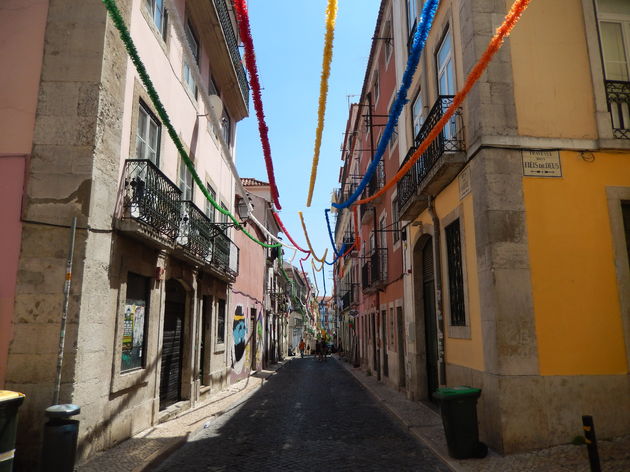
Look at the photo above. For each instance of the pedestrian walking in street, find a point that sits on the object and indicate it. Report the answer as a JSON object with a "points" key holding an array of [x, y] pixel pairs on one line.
{"points": [[318, 350], [301, 347]]}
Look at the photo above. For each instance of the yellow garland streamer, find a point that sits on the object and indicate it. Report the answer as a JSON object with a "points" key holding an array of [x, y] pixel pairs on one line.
{"points": [[308, 241], [315, 268], [331, 16]]}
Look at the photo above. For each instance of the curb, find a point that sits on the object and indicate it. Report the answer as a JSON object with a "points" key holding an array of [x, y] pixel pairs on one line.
{"points": [[159, 456], [410, 428]]}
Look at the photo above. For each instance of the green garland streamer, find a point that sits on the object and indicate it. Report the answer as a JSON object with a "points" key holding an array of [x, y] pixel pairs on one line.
{"points": [[116, 17]]}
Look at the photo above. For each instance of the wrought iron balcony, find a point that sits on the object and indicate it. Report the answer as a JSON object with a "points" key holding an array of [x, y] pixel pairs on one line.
{"points": [[230, 38], [152, 202], [196, 231], [348, 238], [618, 96], [225, 254], [151, 199], [374, 271], [450, 140], [365, 275]]}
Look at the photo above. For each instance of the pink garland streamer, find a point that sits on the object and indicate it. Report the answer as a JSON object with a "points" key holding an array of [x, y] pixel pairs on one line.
{"points": [[240, 7]]}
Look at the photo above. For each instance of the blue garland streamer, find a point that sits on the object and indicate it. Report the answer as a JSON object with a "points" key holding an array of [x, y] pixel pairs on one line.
{"points": [[419, 41], [338, 254]]}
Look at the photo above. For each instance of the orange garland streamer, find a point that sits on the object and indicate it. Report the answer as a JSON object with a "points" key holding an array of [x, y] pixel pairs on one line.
{"points": [[510, 21]]}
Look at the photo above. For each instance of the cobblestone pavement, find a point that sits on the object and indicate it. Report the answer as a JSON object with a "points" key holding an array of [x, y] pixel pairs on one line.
{"points": [[139, 453], [310, 416], [426, 425]]}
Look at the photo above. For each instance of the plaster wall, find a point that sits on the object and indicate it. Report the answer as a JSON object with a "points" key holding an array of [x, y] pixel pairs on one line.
{"points": [[22, 47], [576, 295], [550, 65]]}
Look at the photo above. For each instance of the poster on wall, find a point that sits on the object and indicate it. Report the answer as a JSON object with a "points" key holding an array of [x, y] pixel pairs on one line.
{"points": [[133, 334]]}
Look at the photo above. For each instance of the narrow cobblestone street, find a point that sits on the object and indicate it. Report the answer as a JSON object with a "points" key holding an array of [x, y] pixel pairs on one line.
{"points": [[310, 416]]}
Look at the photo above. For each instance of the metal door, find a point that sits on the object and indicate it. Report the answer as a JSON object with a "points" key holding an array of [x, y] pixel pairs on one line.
{"points": [[172, 344], [384, 342], [400, 324], [430, 323]]}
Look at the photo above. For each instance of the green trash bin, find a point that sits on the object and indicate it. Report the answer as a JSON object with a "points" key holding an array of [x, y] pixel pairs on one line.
{"points": [[9, 404], [458, 406]]}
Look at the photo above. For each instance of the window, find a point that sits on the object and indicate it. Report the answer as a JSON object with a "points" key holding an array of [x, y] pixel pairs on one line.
{"points": [[376, 87], [395, 222], [446, 78], [388, 39], [615, 37], [189, 80], [148, 136], [625, 211], [455, 274], [209, 207], [226, 127], [185, 181], [192, 40], [414, 7], [221, 322], [158, 14], [224, 218], [392, 336], [135, 322], [394, 137], [417, 111], [212, 86], [206, 323]]}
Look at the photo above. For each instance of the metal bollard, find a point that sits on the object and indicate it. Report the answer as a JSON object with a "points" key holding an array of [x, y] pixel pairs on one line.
{"points": [[591, 443], [60, 438]]}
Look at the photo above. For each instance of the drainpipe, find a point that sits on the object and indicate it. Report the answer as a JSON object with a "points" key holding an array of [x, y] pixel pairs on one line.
{"points": [[439, 312]]}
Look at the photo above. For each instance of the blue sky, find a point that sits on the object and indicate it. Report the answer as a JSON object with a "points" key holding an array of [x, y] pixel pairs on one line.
{"points": [[288, 40]]}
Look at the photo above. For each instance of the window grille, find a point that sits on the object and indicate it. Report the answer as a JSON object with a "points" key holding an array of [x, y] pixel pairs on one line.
{"points": [[455, 274]]}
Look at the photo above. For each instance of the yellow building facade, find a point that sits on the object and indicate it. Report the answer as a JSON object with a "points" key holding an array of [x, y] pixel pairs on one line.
{"points": [[518, 224]]}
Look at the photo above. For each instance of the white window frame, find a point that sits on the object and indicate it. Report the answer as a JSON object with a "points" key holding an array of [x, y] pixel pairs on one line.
{"points": [[624, 22], [185, 181], [447, 68], [417, 119], [151, 150], [155, 7], [376, 86]]}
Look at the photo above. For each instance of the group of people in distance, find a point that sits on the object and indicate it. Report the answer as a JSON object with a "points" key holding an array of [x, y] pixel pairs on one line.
{"points": [[321, 349]]}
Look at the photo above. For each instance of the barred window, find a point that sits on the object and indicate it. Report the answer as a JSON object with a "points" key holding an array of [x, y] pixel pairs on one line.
{"points": [[455, 274]]}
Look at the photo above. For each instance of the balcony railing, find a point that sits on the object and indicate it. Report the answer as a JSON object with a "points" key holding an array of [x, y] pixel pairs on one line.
{"points": [[225, 254], [618, 96], [348, 238], [365, 275], [378, 267], [449, 140], [196, 231], [230, 38], [150, 198], [374, 271]]}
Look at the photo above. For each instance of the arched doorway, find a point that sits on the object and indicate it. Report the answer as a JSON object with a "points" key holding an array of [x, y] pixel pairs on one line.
{"points": [[425, 319], [172, 344]]}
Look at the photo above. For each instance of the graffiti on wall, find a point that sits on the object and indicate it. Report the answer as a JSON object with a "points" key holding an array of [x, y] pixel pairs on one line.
{"points": [[239, 336]]}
